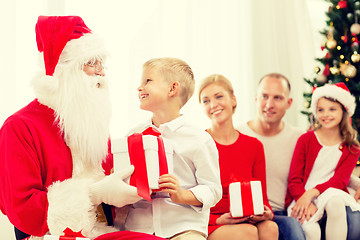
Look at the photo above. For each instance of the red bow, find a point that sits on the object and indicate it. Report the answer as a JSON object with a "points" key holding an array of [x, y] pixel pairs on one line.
{"points": [[137, 158], [70, 233], [236, 178]]}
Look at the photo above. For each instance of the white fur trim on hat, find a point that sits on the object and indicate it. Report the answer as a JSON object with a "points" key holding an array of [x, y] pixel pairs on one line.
{"points": [[82, 49], [334, 92]]}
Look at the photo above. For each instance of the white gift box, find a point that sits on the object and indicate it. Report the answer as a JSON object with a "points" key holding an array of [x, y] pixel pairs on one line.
{"points": [[246, 199], [119, 149]]}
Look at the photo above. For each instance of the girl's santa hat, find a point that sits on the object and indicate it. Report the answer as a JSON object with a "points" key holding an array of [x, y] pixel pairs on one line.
{"points": [[64, 39], [337, 91]]}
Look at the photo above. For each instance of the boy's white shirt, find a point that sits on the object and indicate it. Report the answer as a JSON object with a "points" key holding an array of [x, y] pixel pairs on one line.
{"points": [[196, 167]]}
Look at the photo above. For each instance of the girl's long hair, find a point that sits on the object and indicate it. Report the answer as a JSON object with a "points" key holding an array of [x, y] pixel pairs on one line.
{"points": [[347, 132]]}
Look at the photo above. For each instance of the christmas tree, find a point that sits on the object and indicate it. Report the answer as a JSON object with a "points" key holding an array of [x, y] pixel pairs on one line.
{"points": [[341, 60]]}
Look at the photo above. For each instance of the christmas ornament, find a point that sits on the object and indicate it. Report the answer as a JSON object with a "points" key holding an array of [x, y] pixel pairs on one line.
{"points": [[331, 43], [306, 104], [351, 71], [355, 46], [355, 57], [342, 4], [326, 71], [344, 38], [321, 78], [357, 5], [316, 69], [334, 70], [355, 28], [348, 70], [350, 17]]}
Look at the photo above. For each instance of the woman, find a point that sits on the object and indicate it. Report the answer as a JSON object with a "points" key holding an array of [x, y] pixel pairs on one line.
{"points": [[240, 157]]}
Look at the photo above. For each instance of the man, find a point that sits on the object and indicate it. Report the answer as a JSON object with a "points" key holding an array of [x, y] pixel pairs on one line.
{"points": [[53, 151], [279, 140]]}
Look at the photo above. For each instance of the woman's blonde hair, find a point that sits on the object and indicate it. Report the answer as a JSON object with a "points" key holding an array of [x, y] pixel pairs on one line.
{"points": [[219, 80]]}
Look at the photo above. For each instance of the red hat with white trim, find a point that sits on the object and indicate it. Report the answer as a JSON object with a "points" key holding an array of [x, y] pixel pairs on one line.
{"points": [[337, 91], [65, 38]]}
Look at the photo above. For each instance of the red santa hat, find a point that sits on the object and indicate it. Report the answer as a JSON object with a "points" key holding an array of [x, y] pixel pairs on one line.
{"points": [[65, 37], [337, 91]]}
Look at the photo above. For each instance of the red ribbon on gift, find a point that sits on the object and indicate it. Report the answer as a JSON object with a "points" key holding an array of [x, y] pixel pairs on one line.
{"points": [[139, 179], [247, 201], [246, 193], [70, 233]]}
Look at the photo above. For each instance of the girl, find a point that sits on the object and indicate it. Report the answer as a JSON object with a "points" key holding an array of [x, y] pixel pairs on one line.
{"points": [[240, 156], [322, 163]]}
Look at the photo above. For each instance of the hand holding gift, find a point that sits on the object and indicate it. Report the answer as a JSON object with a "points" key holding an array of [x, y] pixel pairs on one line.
{"points": [[170, 184], [113, 190], [259, 218], [226, 219], [151, 156], [246, 199]]}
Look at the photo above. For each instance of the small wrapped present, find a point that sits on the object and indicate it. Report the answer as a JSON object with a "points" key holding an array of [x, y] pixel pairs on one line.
{"points": [[68, 235], [151, 155], [246, 198], [53, 237]]}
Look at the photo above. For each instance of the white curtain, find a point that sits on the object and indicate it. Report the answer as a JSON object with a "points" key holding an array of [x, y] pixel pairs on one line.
{"points": [[241, 39]]}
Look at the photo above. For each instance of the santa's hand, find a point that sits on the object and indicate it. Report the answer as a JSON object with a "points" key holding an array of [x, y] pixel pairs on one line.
{"points": [[113, 190]]}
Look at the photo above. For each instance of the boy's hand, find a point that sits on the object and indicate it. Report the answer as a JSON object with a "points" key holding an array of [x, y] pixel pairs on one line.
{"points": [[170, 184]]}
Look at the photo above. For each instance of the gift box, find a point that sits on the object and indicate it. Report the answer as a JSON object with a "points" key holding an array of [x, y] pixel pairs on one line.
{"points": [[151, 155], [246, 198], [54, 237], [68, 235]]}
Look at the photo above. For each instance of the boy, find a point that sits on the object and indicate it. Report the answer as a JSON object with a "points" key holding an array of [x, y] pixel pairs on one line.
{"points": [[181, 209]]}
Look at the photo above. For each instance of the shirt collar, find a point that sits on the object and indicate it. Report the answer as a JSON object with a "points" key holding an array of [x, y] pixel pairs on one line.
{"points": [[172, 125]]}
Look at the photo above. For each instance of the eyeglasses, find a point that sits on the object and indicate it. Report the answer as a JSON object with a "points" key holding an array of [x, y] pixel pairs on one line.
{"points": [[96, 65]]}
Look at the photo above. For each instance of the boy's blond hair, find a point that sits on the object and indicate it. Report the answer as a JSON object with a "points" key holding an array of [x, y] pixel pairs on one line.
{"points": [[175, 70]]}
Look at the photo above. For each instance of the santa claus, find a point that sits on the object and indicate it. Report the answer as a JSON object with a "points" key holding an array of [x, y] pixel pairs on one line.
{"points": [[54, 153]]}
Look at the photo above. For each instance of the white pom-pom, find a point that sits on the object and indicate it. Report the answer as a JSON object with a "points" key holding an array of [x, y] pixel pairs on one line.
{"points": [[355, 28]]}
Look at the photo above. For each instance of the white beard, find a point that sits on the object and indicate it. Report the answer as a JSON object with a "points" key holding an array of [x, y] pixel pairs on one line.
{"points": [[82, 107]]}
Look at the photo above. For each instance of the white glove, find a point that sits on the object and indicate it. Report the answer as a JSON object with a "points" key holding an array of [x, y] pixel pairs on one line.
{"points": [[113, 190]]}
